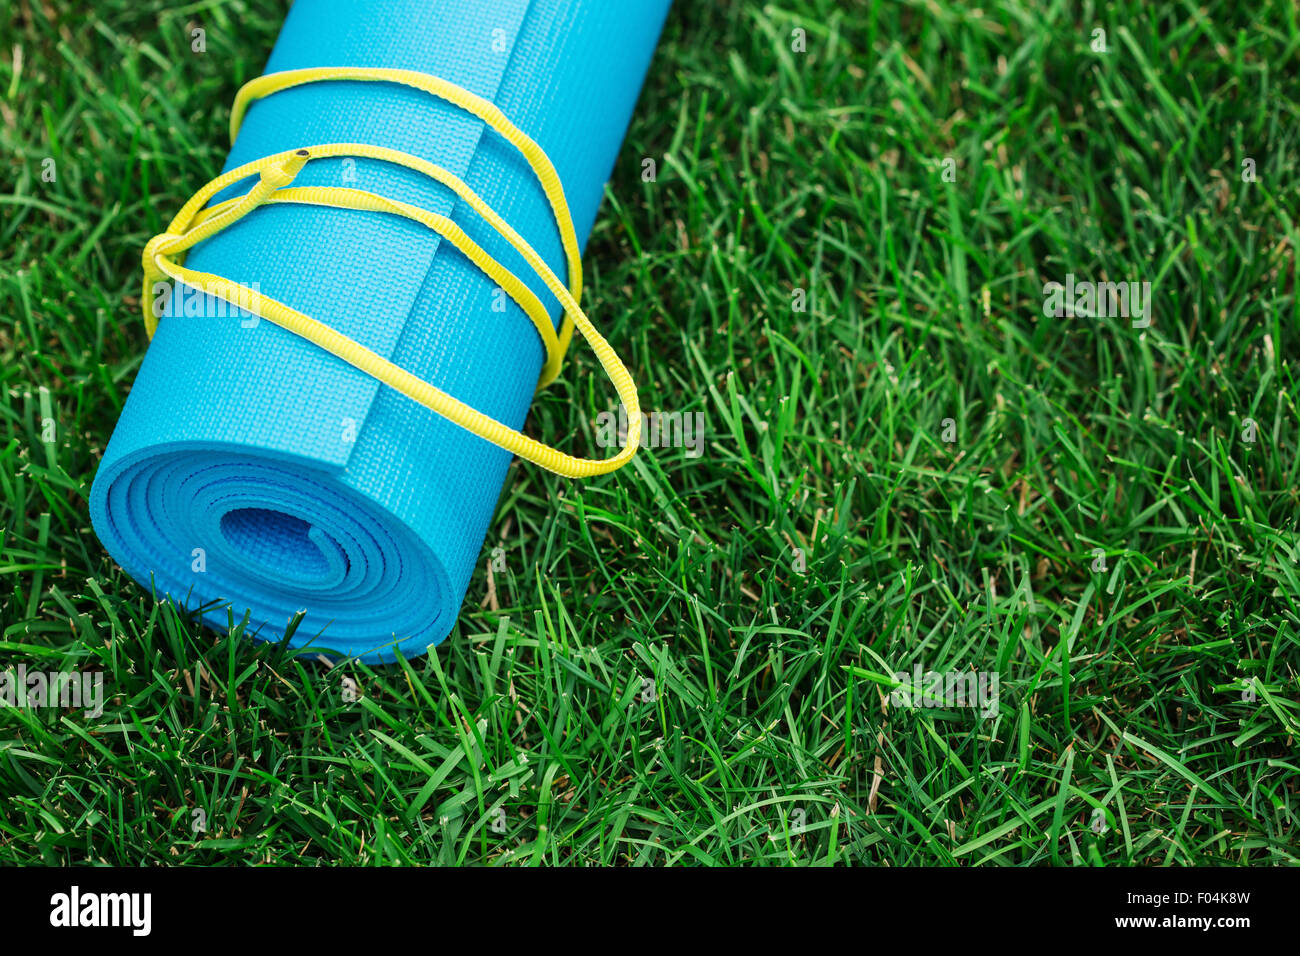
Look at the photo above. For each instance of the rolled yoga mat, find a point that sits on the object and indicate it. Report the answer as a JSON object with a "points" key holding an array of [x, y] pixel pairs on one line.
{"points": [[252, 471]]}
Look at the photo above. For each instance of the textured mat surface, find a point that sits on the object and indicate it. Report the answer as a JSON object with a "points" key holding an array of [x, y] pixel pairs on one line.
{"points": [[251, 470]]}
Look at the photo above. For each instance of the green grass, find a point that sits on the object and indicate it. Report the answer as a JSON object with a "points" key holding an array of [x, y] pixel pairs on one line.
{"points": [[658, 683]]}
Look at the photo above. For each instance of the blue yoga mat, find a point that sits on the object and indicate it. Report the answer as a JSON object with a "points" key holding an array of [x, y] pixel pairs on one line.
{"points": [[251, 470]]}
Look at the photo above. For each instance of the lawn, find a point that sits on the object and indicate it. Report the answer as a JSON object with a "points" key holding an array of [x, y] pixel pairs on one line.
{"points": [[910, 466]]}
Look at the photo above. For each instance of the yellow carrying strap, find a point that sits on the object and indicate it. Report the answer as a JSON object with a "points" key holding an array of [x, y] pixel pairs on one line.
{"points": [[165, 252]]}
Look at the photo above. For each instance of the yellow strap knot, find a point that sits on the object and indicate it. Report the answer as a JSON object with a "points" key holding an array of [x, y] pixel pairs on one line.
{"points": [[165, 252]]}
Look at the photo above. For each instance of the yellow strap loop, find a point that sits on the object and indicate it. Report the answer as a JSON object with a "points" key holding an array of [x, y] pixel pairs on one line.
{"points": [[194, 223]]}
